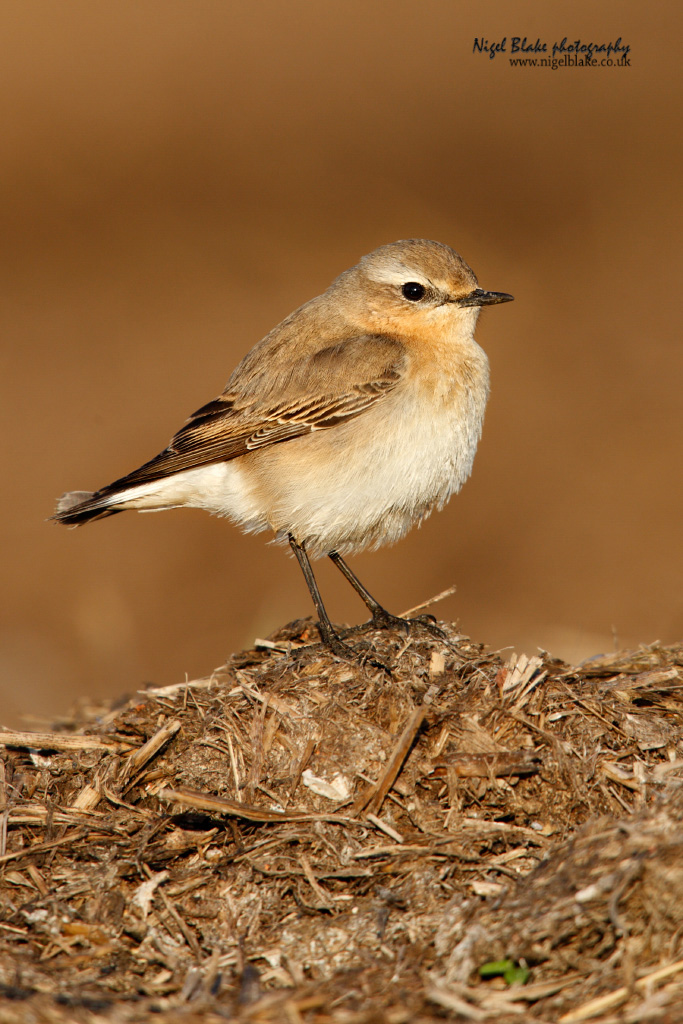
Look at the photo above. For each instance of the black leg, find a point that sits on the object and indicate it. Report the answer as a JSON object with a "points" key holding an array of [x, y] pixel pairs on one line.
{"points": [[379, 614], [381, 618], [327, 630], [328, 633]]}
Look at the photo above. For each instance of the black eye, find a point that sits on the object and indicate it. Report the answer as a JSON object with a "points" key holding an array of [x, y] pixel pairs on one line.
{"points": [[413, 291]]}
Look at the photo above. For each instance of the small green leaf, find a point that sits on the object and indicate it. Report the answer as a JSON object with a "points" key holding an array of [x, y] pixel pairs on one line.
{"points": [[511, 972], [516, 975], [496, 968]]}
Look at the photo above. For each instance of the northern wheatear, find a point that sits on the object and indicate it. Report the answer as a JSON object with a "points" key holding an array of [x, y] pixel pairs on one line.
{"points": [[349, 422]]}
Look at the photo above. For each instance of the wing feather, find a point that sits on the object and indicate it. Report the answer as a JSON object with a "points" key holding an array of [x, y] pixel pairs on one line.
{"points": [[321, 393]]}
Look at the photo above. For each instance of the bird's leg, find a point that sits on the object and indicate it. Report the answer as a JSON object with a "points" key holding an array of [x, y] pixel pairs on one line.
{"points": [[381, 618], [329, 635]]}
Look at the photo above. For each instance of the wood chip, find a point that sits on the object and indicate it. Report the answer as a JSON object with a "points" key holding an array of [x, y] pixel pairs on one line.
{"points": [[58, 741], [207, 802], [373, 797], [140, 757]]}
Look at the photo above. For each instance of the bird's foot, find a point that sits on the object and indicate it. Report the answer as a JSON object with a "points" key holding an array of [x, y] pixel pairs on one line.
{"points": [[360, 654], [382, 619]]}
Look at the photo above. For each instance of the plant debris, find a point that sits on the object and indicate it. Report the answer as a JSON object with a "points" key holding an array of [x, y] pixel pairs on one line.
{"points": [[301, 839]]}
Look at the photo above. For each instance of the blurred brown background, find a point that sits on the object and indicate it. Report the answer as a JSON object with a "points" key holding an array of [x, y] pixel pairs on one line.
{"points": [[177, 177]]}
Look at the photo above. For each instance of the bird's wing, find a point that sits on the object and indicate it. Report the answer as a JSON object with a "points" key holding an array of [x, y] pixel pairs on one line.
{"points": [[318, 391]]}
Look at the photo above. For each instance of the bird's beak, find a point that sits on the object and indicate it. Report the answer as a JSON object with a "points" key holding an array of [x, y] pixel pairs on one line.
{"points": [[479, 297]]}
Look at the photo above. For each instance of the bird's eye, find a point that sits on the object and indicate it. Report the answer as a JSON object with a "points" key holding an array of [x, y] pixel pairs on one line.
{"points": [[413, 291]]}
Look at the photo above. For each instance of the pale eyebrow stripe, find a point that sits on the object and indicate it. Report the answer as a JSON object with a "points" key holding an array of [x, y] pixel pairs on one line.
{"points": [[389, 276]]}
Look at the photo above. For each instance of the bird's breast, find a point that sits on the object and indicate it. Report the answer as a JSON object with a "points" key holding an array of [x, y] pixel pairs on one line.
{"points": [[367, 481]]}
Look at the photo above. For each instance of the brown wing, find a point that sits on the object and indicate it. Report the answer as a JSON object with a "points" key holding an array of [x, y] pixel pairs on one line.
{"points": [[324, 389]]}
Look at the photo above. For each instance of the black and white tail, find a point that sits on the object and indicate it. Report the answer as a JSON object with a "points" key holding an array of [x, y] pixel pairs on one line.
{"points": [[77, 507]]}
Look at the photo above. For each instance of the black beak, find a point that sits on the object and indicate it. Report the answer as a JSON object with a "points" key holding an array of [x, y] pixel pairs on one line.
{"points": [[481, 298]]}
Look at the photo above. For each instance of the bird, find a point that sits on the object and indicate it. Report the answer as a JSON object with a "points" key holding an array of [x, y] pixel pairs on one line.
{"points": [[347, 424]]}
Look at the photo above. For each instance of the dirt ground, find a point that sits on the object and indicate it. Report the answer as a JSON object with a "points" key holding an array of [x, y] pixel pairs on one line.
{"points": [[301, 839]]}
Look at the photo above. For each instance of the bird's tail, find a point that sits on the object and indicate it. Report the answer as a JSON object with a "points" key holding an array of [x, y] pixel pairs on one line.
{"points": [[77, 507]]}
